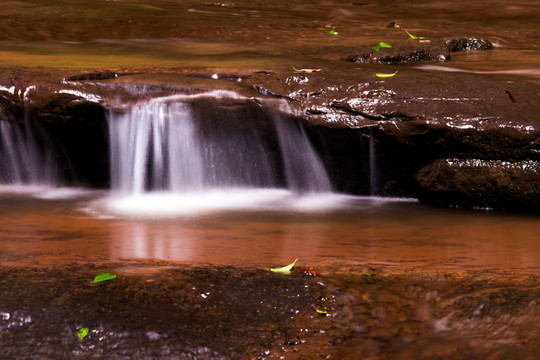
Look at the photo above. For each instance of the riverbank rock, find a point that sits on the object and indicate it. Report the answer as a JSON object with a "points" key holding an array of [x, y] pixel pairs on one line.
{"points": [[410, 51], [482, 183]]}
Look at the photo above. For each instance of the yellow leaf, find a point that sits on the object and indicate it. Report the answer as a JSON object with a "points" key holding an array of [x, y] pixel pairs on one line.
{"points": [[381, 75], [284, 269], [413, 37]]}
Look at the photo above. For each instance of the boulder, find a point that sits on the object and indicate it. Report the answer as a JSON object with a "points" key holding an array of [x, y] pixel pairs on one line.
{"points": [[480, 183]]}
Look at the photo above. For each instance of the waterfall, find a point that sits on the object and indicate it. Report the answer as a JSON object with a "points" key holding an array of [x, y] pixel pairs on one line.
{"points": [[25, 155], [304, 169], [161, 145]]}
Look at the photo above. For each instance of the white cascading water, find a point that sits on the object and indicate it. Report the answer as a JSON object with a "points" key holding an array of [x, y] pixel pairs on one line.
{"points": [[22, 160], [304, 169], [164, 161], [158, 146]]}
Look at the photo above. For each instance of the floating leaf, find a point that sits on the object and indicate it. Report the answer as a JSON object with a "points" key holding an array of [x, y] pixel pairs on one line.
{"points": [[104, 277], [284, 269], [381, 45], [414, 37], [306, 70], [321, 29], [82, 333], [381, 75], [333, 31]]}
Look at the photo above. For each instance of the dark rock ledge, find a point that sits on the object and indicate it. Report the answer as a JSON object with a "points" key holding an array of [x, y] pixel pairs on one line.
{"points": [[452, 138]]}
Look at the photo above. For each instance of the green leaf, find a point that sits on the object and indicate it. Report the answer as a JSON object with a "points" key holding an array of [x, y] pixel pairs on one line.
{"points": [[321, 29], [381, 75], [284, 269], [82, 333], [104, 277], [333, 31], [381, 45], [414, 37]]}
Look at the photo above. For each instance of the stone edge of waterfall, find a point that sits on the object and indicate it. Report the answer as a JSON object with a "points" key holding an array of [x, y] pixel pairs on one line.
{"points": [[398, 150]]}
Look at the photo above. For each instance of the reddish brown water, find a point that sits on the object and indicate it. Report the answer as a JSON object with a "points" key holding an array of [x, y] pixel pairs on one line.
{"points": [[354, 231]]}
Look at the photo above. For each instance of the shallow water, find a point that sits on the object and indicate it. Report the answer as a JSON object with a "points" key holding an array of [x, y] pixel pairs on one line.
{"points": [[262, 228], [263, 36]]}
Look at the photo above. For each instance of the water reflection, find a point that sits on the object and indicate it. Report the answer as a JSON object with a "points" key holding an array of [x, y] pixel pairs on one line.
{"points": [[361, 231]]}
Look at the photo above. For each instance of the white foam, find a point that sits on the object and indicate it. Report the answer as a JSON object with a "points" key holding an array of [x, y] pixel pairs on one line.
{"points": [[167, 204]]}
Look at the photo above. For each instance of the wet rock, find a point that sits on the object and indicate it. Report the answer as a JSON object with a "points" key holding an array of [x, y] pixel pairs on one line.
{"points": [[402, 54], [99, 75], [373, 135], [467, 44], [80, 131], [11, 107], [428, 51], [482, 183], [151, 316]]}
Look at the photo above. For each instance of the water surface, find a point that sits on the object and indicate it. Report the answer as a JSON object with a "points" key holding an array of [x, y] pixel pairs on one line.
{"points": [[261, 228]]}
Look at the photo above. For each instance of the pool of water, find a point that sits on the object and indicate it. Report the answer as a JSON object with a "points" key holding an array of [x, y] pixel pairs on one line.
{"points": [[45, 226]]}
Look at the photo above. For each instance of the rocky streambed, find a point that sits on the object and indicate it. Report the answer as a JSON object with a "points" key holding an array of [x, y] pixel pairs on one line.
{"points": [[173, 311]]}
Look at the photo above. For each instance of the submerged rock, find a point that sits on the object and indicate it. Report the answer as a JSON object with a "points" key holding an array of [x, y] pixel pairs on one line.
{"points": [[99, 75], [402, 54], [414, 52], [467, 44]]}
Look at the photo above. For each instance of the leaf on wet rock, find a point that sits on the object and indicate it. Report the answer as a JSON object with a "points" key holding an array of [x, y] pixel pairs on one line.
{"points": [[414, 37], [383, 75], [285, 269], [381, 45], [82, 333], [104, 277]]}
